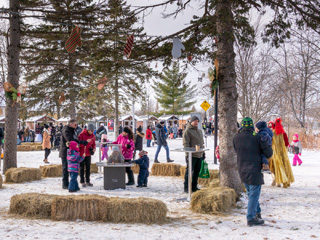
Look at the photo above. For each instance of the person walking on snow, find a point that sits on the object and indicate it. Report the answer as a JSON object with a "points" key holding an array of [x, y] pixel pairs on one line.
{"points": [[46, 143], [149, 136], [249, 146], [193, 136], [161, 141], [296, 150]]}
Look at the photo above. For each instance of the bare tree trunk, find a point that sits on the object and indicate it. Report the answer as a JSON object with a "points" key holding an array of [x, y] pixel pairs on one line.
{"points": [[229, 175], [10, 136]]}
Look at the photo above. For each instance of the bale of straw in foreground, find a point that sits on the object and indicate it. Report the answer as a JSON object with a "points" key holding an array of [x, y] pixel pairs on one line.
{"points": [[33, 205], [18, 175], [1, 181], [213, 200], [85, 207], [136, 210], [54, 170], [24, 148], [135, 168], [165, 169], [32, 143]]}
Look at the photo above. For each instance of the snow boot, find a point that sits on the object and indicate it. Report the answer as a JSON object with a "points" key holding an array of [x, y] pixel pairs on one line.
{"points": [[45, 161], [130, 179], [169, 161], [83, 184], [258, 215], [156, 161], [89, 184], [255, 222]]}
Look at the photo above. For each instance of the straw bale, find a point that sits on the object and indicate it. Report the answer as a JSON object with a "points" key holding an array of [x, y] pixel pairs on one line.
{"points": [[204, 182], [136, 210], [1, 181], [54, 170], [33, 205], [36, 148], [24, 148], [214, 183], [94, 168], [135, 168], [32, 143], [85, 207], [213, 200], [165, 169], [18, 175]]}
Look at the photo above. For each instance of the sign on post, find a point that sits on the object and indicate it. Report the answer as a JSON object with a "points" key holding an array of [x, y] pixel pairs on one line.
{"points": [[205, 105]]}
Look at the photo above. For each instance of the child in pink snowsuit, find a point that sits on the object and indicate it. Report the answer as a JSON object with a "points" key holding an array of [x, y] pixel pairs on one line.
{"points": [[105, 149], [296, 150]]}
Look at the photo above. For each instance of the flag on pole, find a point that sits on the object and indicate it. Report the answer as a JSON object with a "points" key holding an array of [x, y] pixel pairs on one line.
{"points": [[128, 47], [74, 40]]}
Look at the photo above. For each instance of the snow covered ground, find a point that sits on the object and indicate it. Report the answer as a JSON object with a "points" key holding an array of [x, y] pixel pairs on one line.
{"points": [[292, 213]]}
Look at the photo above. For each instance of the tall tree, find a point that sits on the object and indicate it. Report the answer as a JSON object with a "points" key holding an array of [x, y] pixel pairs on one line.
{"points": [[10, 137], [173, 92]]}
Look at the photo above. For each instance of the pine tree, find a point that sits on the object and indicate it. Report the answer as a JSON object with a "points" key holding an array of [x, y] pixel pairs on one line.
{"points": [[173, 92]]}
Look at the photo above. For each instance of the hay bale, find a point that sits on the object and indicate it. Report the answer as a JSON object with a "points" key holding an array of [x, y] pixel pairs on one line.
{"points": [[32, 205], [31, 143], [1, 181], [85, 207], [18, 175], [54, 170], [94, 168], [36, 148], [165, 169], [213, 200], [214, 183], [24, 148], [135, 169], [136, 210], [204, 182]]}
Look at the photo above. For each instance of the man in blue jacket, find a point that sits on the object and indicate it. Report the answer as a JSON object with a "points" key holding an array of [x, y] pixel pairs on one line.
{"points": [[249, 146]]}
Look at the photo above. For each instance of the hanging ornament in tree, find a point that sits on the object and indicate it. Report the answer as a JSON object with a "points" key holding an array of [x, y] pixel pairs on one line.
{"points": [[128, 47], [102, 82], [189, 58], [74, 40], [213, 76], [156, 65], [177, 47], [14, 94], [61, 98]]}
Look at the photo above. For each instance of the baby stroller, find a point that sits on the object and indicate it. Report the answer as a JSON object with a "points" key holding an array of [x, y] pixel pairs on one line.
{"points": [[56, 144], [154, 138]]}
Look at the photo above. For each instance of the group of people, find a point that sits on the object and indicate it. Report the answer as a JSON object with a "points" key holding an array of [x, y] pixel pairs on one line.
{"points": [[260, 148]]}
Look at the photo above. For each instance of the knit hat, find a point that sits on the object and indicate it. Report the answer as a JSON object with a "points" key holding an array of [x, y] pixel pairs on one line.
{"points": [[261, 124], [90, 127], [194, 118], [161, 122], [73, 146], [126, 130], [247, 122], [297, 136]]}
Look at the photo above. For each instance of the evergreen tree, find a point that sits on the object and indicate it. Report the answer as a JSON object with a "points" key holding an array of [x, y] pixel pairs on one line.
{"points": [[172, 92]]}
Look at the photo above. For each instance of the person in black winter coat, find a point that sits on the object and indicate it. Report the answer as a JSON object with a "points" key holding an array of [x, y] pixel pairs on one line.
{"points": [[138, 144], [143, 163], [68, 134], [249, 146], [161, 141]]}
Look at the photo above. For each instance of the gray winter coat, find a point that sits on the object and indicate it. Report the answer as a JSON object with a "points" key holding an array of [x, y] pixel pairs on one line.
{"points": [[161, 135], [193, 136], [296, 147]]}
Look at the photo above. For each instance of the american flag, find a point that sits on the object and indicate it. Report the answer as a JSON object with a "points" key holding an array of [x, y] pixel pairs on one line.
{"points": [[74, 40], [128, 47]]}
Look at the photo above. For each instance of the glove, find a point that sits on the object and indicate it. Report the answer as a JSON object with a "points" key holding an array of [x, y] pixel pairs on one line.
{"points": [[128, 146], [204, 156], [299, 154]]}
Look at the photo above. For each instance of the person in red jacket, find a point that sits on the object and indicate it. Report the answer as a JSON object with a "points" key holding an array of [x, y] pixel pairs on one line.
{"points": [[86, 152], [148, 136]]}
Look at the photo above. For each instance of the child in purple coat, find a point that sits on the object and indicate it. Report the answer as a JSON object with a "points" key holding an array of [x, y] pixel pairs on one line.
{"points": [[74, 160]]}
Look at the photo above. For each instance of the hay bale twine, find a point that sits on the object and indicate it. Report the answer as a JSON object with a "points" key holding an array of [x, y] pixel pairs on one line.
{"points": [[136, 210], [18, 175], [166, 169], [33, 205], [135, 168], [213, 200], [54, 170], [1, 181], [85, 207]]}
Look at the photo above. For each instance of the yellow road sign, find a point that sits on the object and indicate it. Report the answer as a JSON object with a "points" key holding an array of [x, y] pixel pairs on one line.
{"points": [[205, 105]]}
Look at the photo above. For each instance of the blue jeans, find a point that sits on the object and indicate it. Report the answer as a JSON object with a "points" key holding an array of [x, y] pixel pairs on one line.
{"points": [[253, 192], [158, 150], [73, 184], [148, 142], [26, 139]]}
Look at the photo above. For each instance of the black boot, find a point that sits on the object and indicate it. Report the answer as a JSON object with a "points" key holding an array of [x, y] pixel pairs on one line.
{"points": [[255, 222], [169, 161], [131, 178], [258, 215]]}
